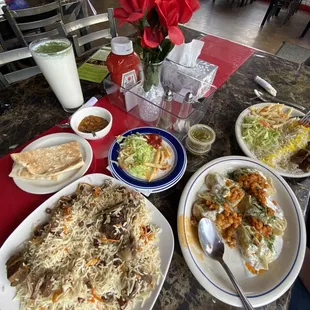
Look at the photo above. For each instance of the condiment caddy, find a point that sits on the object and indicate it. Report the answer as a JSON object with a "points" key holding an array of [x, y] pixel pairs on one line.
{"points": [[177, 112]]}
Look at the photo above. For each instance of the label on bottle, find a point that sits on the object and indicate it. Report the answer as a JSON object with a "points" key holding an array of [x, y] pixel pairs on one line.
{"points": [[129, 79]]}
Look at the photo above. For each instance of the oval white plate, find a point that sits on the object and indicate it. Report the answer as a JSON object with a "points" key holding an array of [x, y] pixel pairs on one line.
{"points": [[39, 216], [47, 187], [245, 148], [262, 289]]}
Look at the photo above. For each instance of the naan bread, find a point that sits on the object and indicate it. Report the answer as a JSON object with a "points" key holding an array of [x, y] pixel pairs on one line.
{"points": [[20, 172], [50, 161]]}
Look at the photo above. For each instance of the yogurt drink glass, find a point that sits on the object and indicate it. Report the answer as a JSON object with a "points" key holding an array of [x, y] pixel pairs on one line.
{"points": [[56, 60]]}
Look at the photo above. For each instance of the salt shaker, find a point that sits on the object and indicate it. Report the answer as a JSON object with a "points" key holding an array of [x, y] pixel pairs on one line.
{"points": [[165, 117], [182, 125]]}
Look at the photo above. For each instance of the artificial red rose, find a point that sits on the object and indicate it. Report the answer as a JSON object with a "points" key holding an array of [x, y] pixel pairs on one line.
{"points": [[152, 37], [132, 10], [176, 35], [168, 13], [187, 8]]}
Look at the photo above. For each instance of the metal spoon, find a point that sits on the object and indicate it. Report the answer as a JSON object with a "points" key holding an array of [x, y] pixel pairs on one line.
{"points": [[213, 246], [64, 125], [260, 95]]}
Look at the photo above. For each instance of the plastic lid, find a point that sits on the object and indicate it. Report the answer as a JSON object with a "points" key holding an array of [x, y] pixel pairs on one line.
{"points": [[121, 46], [203, 127]]}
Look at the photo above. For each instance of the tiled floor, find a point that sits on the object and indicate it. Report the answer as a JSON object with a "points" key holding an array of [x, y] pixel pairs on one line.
{"points": [[240, 24]]}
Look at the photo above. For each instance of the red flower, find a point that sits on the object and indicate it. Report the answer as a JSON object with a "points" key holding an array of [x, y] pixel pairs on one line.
{"points": [[132, 10], [151, 37], [168, 12], [187, 8]]}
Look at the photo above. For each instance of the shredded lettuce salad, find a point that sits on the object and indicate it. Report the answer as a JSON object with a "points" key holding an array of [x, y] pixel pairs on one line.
{"points": [[134, 153], [260, 137]]}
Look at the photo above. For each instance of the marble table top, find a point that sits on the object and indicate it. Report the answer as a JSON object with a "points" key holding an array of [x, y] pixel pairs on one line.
{"points": [[35, 109], [181, 290]]}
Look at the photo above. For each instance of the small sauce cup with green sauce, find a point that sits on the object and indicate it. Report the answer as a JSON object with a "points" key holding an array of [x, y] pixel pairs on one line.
{"points": [[199, 139]]}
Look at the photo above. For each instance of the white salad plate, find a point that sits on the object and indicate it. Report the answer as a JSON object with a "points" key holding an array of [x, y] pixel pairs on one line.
{"points": [[14, 242], [246, 149], [261, 289], [49, 186]]}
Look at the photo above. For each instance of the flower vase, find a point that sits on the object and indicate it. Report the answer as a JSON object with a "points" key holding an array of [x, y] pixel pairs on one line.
{"points": [[152, 91]]}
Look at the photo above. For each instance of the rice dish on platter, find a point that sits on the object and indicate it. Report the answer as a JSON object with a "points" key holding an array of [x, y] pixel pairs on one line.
{"points": [[274, 138], [98, 251]]}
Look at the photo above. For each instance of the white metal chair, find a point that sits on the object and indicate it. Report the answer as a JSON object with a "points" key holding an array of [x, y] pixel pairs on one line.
{"points": [[19, 75], [80, 41], [9, 44], [30, 24]]}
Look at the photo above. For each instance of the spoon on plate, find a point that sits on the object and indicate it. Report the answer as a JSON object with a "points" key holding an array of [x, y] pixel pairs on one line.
{"points": [[213, 246], [260, 95]]}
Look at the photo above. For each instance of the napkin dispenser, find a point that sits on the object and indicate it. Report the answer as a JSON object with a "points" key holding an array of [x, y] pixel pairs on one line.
{"points": [[182, 70]]}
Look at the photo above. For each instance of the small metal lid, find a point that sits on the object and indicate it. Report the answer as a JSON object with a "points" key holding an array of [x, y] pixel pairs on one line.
{"points": [[168, 95], [189, 98]]}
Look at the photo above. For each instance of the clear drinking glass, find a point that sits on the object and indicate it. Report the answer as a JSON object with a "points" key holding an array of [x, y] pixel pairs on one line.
{"points": [[56, 60]]}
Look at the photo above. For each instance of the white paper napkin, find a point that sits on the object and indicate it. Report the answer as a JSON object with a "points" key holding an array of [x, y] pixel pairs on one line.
{"points": [[91, 102], [186, 54]]}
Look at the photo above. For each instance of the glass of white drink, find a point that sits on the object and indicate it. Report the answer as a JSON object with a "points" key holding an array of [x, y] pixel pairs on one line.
{"points": [[56, 60]]}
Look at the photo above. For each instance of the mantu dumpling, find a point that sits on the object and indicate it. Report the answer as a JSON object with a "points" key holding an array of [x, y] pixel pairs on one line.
{"points": [[225, 189], [247, 177], [269, 216], [257, 250], [259, 233], [207, 206]]}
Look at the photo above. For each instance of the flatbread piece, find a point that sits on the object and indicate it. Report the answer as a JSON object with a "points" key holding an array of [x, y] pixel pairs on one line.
{"points": [[50, 161], [20, 172]]}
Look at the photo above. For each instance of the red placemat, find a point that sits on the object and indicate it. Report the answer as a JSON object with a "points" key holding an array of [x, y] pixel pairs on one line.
{"points": [[16, 205], [227, 55]]}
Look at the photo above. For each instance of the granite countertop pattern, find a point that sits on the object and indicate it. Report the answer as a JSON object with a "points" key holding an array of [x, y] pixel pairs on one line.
{"points": [[181, 290], [35, 109]]}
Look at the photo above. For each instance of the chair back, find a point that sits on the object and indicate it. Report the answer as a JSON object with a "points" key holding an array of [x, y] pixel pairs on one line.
{"points": [[34, 23], [19, 75], [80, 41], [8, 44]]}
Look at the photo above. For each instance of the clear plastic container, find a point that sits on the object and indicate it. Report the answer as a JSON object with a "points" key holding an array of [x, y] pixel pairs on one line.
{"points": [[199, 139], [182, 118]]}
